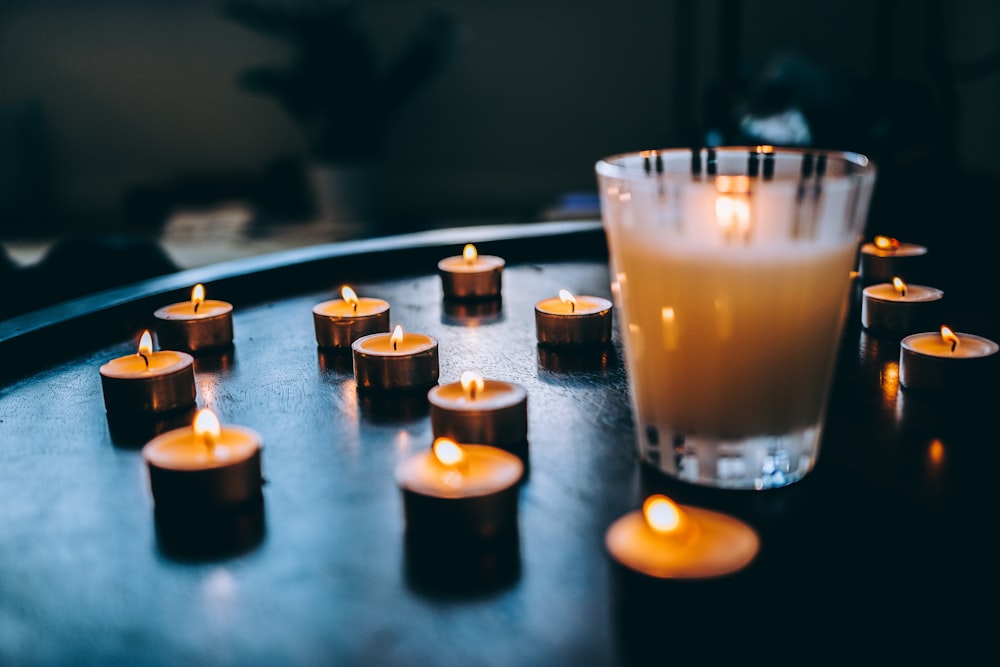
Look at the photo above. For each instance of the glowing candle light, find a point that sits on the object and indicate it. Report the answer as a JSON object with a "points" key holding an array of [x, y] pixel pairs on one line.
{"points": [[197, 325], [885, 257], [204, 465], [669, 541], [340, 322], [946, 359], [471, 275], [395, 361], [899, 308], [148, 381], [460, 489], [483, 411], [568, 319]]}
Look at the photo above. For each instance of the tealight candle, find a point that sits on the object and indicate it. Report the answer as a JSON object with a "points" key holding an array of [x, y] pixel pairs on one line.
{"points": [[885, 257], [196, 325], [474, 409], [460, 490], [573, 320], [945, 359], [204, 465], [670, 541], [340, 322], [148, 382], [471, 275], [899, 308], [384, 361]]}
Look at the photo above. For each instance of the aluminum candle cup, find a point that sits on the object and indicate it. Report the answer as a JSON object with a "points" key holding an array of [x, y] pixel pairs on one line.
{"points": [[471, 275], [148, 382], [884, 258], [899, 308], [195, 326], [490, 412], [340, 322], [731, 271], [396, 361], [573, 320], [204, 465], [947, 360], [460, 491]]}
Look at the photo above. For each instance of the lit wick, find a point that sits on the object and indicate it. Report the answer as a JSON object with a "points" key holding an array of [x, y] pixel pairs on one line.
{"points": [[469, 254], [472, 383], [145, 347], [566, 297], [899, 286], [397, 337], [349, 296], [949, 336], [886, 243], [198, 295], [206, 427]]}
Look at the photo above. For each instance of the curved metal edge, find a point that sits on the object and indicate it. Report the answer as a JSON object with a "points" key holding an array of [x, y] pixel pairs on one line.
{"points": [[34, 340]]}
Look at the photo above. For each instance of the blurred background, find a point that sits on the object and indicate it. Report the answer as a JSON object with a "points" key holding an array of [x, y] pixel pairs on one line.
{"points": [[142, 136]]}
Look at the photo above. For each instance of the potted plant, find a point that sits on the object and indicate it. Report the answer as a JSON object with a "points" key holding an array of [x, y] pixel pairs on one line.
{"points": [[336, 89]]}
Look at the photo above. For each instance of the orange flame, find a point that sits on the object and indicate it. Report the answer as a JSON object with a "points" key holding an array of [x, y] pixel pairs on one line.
{"points": [[899, 286], [145, 343], [886, 243], [949, 336], [567, 297], [206, 427], [472, 383], [349, 296], [469, 253], [665, 518], [447, 452], [397, 336]]}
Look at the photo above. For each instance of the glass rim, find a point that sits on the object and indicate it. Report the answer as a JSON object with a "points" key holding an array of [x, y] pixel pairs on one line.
{"points": [[612, 166]]}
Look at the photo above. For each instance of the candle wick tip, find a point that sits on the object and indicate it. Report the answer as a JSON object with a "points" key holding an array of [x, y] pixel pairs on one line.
{"points": [[196, 304], [146, 359], [953, 344]]}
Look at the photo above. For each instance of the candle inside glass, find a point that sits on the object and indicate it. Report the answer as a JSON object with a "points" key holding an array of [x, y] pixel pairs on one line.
{"points": [[732, 289]]}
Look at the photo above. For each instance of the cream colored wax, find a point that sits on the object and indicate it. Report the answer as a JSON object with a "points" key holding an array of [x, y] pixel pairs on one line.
{"points": [[733, 340]]}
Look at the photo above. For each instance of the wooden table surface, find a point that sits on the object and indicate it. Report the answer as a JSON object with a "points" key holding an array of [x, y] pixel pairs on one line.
{"points": [[885, 551]]}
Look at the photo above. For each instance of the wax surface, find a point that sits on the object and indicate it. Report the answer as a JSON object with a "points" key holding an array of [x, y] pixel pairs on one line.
{"points": [[162, 362], [486, 470], [181, 449], [932, 344], [184, 310], [732, 341], [482, 264], [585, 305], [341, 308], [914, 293], [904, 250], [381, 344], [495, 395], [722, 545]]}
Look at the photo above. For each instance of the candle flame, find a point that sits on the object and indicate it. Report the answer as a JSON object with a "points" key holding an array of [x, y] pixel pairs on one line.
{"points": [[567, 297], [349, 296], [145, 344], [472, 383], [765, 149], [899, 286], [206, 427], [469, 253], [886, 243], [949, 336], [667, 520], [662, 514], [447, 452], [198, 293], [732, 208], [397, 336]]}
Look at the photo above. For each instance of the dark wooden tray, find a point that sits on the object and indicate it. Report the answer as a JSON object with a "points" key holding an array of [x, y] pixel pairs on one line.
{"points": [[879, 552]]}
